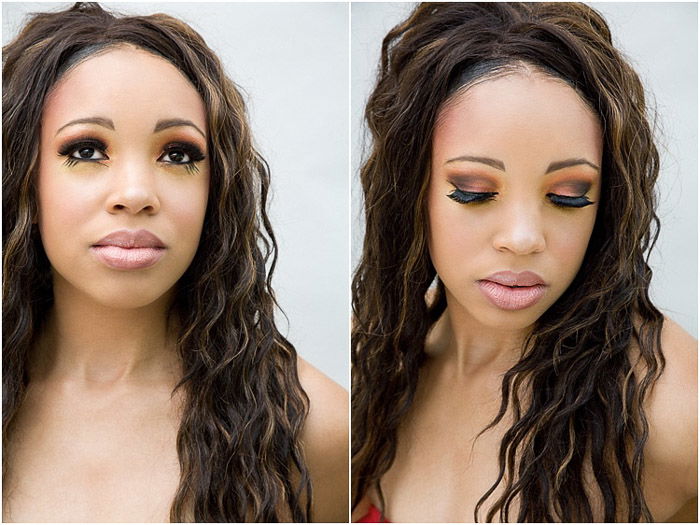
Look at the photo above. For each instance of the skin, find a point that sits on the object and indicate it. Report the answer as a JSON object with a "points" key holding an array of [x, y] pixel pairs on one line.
{"points": [[521, 228], [527, 121], [95, 439], [326, 440]]}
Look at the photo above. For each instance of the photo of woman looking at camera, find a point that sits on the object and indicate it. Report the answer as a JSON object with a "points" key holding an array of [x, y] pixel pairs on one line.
{"points": [[144, 375]]}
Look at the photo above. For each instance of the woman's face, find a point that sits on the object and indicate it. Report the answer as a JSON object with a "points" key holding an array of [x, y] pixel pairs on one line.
{"points": [[123, 177], [514, 189]]}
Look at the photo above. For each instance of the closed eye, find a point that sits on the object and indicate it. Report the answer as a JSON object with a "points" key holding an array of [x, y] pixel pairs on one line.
{"points": [[566, 201], [466, 197]]}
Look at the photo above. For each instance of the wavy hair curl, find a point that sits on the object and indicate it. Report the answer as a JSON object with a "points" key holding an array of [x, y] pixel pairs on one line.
{"points": [[577, 393], [239, 438]]}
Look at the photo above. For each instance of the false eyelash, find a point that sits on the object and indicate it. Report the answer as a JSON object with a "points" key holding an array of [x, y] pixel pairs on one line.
{"points": [[466, 197], [192, 151], [75, 145], [569, 202], [70, 147]]}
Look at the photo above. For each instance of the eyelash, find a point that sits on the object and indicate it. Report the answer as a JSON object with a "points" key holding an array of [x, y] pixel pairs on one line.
{"points": [[466, 197], [192, 151], [563, 201]]}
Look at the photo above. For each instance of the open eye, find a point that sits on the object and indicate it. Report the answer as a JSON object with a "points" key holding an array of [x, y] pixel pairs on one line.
{"points": [[88, 153], [176, 156], [182, 154], [84, 150]]}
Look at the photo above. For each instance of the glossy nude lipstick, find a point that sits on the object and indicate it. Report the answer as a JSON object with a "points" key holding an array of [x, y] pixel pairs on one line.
{"points": [[129, 249], [513, 291]]}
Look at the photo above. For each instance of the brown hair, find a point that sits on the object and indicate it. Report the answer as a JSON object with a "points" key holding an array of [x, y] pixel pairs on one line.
{"points": [[239, 439], [577, 392]]}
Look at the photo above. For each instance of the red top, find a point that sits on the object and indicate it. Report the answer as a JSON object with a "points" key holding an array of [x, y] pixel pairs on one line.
{"points": [[373, 516]]}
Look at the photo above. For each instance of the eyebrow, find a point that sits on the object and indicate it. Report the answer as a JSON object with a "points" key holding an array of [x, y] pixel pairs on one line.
{"points": [[559, 165], [482, 160], [554, 166], [174, 122], [100, 121], [109, 124]]}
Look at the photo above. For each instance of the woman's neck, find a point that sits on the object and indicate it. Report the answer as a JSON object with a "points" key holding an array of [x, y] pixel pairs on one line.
{"points": [[93, 343], [467, 346]]}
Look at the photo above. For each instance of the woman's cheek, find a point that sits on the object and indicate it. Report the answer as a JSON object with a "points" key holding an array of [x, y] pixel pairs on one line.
{"points": [[568, 241]]}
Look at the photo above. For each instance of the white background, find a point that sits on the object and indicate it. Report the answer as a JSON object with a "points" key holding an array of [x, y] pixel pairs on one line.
{"points": [[660, 42], [291, 60]]}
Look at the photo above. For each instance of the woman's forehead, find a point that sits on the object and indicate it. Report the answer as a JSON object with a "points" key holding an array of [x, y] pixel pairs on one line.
{"points": [[518, 113], [124, 81]]}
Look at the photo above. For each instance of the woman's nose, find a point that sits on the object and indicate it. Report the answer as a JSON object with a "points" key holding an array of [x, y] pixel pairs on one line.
{"points": [[133, 190], [520, 230]]}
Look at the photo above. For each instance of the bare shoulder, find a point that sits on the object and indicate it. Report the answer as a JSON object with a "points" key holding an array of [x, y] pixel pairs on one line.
{"points": [[672, 410], [326, 443], [674, 399], [328, 413]]}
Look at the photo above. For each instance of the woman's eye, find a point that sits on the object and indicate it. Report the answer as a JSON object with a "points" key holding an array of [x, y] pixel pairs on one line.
{"points": [[175, 157], [182, 155], [466, 197], [84, 151], [92, 150], [88, 153], [569, 202]]}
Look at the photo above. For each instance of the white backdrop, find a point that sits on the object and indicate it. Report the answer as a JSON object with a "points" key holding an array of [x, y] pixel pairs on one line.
{"points": [[291, 60], [660, 41]]}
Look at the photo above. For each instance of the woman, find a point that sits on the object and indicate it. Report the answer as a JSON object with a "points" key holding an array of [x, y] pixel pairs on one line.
{"points": [[512, 164], [144, 378]]}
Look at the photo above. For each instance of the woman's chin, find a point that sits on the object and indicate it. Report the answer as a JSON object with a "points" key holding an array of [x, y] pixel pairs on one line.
{"points": [[123, 296]]}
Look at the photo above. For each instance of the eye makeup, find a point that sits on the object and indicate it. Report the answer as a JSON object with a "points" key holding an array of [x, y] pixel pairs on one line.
{"points": [[182, 154], [472, 183], [471, 188], [570, 194], [565, 201], [474, 188], [465, 197], [85, 148], [176, 153], [571, 188]]}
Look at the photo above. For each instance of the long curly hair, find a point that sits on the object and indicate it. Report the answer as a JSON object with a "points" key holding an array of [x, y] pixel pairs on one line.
{"points": [[577, 393], [239, 437]]}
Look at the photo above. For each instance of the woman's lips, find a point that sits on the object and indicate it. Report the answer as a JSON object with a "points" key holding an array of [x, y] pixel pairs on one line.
{"points": [[129, 249], [513, 291]]}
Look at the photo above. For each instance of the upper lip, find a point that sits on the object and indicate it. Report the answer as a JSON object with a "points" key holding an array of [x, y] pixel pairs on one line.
{"points": [[508, 278], [131, 239]]}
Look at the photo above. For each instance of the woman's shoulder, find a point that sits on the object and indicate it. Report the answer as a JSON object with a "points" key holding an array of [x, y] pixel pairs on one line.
{"points": [[672, 411], [674, 396], [326, 443], [328, 400]]}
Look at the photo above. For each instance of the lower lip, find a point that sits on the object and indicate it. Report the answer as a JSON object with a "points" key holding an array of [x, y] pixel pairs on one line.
{"points": [[128, 258], [508, 298]]}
